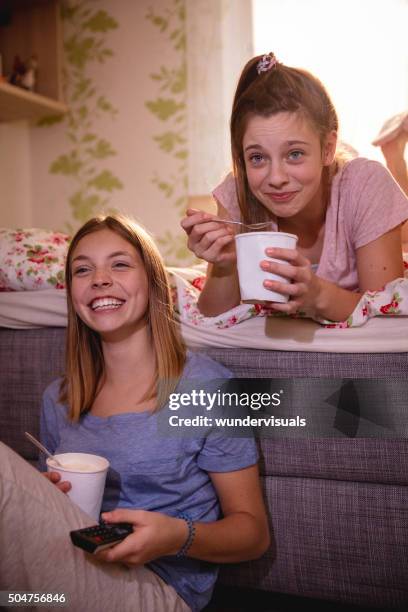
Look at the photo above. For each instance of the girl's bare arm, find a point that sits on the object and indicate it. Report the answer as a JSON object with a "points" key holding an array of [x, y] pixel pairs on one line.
{"points": [[242, 534]]}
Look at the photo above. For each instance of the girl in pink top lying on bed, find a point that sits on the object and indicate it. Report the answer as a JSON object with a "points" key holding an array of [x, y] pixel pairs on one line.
{"points": [[347, 213]]}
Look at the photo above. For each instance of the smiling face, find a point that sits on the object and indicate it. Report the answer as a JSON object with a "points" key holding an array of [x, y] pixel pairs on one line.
{"points": [[109, 285], [284, 163]]}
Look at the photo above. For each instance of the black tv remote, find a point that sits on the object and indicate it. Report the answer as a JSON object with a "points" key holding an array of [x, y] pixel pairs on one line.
{"points": [[96, 538]]}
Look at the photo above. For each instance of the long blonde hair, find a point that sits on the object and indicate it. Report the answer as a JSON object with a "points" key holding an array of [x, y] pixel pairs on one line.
{"points": [[85, 366]]}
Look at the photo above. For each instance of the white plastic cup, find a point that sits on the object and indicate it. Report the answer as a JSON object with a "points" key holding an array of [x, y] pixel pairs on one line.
{"points": [[87, 475], [250, 252]]}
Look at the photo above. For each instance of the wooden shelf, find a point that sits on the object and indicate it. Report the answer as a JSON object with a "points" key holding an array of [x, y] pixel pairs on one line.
{"points": [[17, 103], [32, 28]]}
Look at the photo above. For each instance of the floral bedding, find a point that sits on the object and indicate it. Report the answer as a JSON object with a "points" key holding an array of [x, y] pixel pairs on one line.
{"points": [[187, 284], [32, 259]]}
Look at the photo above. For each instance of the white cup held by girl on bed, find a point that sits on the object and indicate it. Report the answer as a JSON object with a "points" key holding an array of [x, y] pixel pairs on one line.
{"points": [[87, 475], [250, 252]]}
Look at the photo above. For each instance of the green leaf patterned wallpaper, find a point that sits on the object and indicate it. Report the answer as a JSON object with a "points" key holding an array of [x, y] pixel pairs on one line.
{"points": [[92, 179], [170, 107], [85, 162]]}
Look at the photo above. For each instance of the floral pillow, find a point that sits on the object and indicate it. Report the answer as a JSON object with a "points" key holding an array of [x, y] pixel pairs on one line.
{"points": [[32, 259]]}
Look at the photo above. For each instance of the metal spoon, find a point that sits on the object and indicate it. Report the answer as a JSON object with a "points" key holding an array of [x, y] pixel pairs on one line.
{"points": [[42, 448], [261, 225]]}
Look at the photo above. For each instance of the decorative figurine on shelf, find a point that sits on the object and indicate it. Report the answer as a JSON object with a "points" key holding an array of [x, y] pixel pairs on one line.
{"points": [[18, 71], [28, 79], [24, 73]]}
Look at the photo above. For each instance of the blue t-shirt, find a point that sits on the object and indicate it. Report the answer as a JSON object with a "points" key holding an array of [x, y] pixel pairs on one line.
{"points": [[154, 471]]}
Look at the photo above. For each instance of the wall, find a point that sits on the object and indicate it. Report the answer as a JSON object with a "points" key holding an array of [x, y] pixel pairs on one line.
{"points": [[15, 175], [219, 41]]}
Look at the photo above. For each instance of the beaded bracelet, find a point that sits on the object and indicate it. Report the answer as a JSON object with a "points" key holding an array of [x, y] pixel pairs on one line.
{"points": [[191, 534]]}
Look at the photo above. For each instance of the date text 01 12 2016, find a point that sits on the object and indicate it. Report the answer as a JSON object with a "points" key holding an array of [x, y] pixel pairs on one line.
{"points": [[21, 599]]}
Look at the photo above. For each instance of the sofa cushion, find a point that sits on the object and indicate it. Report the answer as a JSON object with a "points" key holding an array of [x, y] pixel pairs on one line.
{"points": [[359, 459], [29, 361], [340, 541]]}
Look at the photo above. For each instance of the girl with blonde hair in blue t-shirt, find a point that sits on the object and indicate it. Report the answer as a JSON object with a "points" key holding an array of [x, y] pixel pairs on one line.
{"points": [[193, 501]]}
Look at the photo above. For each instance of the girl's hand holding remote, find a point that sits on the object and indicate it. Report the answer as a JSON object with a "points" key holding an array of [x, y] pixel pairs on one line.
{"points": [[304, 286], [209, 240], [155, 535]]}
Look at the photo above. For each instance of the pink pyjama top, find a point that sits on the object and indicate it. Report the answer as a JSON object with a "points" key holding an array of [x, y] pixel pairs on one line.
{"points": [[365, 203]]}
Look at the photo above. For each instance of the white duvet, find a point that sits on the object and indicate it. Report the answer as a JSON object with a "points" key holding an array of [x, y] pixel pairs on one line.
{"points": [[36, 309]]}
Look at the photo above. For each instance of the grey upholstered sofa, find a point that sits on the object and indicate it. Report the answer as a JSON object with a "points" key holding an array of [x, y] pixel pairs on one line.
{"points": [[338, 506]]}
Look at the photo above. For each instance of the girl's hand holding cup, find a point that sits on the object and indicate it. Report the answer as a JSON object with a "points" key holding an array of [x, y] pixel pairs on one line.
{"points": [[303, 287], [209, 240], [55, 478]]}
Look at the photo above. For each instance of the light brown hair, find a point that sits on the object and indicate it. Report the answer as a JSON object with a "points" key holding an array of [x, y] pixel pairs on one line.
{"points": [[84, 357], [280, 89]]}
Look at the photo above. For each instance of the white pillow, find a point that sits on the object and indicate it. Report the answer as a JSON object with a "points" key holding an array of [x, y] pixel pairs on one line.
{"points": [[32, 259]]}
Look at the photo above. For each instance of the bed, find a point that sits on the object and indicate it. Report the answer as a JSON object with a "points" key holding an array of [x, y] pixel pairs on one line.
{"points": [[295, 347]]}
